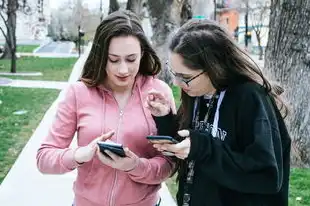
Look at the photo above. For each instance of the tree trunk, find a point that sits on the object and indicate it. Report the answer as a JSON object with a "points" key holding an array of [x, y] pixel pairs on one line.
{"points": [[135, 6], [260, 48], [186, 12], [164, 16], [287, 59], [114, 6], [10, 45]]}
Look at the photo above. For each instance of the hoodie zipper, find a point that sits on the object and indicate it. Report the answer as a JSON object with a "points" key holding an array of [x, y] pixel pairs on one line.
{"points": [[115, 179], [121, 114]]}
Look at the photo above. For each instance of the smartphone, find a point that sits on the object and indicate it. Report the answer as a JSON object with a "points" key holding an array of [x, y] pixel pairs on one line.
{"points": [[161, 139], [113, 147]]}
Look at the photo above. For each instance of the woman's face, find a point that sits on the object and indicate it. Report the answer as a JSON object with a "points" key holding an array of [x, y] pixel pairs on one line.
{"points": [[123, 62], [193, 82]]}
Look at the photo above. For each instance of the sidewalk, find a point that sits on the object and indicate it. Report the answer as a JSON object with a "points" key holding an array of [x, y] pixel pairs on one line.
{"points": [[24, 185], [36, 84]]}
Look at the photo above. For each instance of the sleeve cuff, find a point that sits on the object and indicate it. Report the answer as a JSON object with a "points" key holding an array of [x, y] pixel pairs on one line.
{"points": [[196, 143], [68, 160], [139, 169]]}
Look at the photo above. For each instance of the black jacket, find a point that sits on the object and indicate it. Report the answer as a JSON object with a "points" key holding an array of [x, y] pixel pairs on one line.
{"points": [[248, 163]]}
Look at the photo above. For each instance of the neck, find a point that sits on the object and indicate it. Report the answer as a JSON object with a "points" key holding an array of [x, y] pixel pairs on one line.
{"points": [[117, 90]]}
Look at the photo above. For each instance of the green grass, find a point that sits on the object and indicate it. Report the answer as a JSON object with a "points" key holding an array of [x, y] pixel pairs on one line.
{"points": [[299, 180], [177, 94], [17, 129], [299, 187], [53, 69], [26, 48]]}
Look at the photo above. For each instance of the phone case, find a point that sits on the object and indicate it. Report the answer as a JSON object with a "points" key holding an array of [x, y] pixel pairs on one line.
{"points": [[161, 138], [113, 147]]}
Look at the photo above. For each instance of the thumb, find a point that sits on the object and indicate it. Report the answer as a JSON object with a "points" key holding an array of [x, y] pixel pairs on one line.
{"points": [[129, 153], [103, 137], [183, 133], [106, 136]]}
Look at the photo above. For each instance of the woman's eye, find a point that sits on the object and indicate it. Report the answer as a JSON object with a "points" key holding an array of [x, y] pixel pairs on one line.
{"points": [[131, 60], [113, 60]]}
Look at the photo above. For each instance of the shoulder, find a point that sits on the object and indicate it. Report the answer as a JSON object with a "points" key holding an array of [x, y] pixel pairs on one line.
{"points": [[247, 91]]}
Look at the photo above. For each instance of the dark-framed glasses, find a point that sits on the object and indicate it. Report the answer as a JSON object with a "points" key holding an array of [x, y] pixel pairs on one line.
{"points": [[180, 78]]}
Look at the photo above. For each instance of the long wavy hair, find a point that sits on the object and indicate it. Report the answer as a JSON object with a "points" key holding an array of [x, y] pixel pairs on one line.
{"points": [[205, 45], [119, 23]]}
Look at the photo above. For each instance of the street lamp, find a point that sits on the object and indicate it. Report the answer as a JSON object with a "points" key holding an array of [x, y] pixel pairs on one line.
{"points": [[214, 10], [81, 33], [101, 11]]}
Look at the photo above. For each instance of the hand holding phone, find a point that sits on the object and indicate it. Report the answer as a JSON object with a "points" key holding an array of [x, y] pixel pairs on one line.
{"points": [[112, 147], [160, 139]]}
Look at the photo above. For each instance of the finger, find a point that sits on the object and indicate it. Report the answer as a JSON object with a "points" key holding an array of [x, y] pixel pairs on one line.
{"points": [[107, 135], [156, 105], [156, 95], [104, 159], [113, 156], [183, 133], [129, 153]]}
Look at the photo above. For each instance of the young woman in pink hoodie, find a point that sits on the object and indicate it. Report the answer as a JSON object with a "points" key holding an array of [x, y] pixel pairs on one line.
{"points": [[109, 104]]}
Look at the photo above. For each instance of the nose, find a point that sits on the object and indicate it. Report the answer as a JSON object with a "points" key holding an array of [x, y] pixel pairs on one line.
{"points": [[123, 68]]}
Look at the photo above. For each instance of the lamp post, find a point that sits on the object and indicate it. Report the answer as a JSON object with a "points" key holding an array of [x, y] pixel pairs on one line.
{"points": [[81, 33], [100, 11], [246, 23], [214, 10]]}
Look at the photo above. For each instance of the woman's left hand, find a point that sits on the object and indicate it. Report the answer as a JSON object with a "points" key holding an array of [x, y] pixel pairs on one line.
{"points": [[181, 150], [121, 163]]}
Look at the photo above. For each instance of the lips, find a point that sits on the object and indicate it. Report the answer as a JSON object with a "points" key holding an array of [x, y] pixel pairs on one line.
{"points": [[122, 78]]}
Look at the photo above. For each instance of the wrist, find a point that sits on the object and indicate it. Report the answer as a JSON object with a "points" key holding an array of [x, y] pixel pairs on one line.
{"points": [[77, 159], [134, 165]]}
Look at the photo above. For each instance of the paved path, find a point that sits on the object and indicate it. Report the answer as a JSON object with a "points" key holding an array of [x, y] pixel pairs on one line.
{"points": [[24, 185], [56, 47]]}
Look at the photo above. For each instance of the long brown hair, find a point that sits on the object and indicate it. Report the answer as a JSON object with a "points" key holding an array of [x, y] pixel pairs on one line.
{"points": [[119, 23], [205, 45]]}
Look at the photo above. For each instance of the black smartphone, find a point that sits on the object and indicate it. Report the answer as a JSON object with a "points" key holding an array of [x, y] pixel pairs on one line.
{"points": [[161, 139], [113, 147]]}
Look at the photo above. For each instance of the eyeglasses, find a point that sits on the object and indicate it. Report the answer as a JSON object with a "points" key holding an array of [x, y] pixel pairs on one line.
{"points": [[180, 78]]}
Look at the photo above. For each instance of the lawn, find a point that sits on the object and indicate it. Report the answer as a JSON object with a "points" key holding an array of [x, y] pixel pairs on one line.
{"points": [[17, 129], [53, 69], [299, 187], [299, 181], [26, 48]]}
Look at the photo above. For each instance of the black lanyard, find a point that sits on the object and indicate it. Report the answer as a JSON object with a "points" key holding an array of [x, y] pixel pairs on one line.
{"points": [[191, 164]]}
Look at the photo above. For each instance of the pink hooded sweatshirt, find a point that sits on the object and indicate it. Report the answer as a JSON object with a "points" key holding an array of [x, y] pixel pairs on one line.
{"points": [[92, 112]]}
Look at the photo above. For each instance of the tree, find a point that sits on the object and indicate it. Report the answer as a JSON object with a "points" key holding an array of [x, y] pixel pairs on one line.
{"points": [[287, 59], [8, 14], [165, 18], [136, 6], [62, 27], [259, 15], [114, 6]]}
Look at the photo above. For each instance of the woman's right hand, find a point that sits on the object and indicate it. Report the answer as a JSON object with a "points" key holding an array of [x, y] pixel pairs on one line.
{"points": [[157, 103], [86, 153]]}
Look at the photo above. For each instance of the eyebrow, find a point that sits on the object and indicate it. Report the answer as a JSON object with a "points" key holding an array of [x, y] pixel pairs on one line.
{"points": [[129, 55]]}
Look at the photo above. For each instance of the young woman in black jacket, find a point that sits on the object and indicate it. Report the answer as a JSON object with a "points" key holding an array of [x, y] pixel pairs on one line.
{"points": [[234, 148]]}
